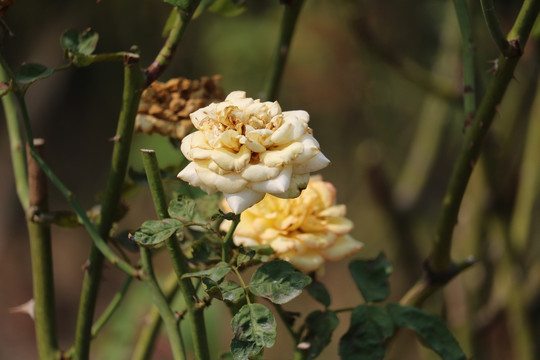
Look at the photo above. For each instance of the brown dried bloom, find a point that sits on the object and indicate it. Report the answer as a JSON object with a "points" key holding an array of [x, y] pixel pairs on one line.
{"points": [[4, 5], [165, 107]]}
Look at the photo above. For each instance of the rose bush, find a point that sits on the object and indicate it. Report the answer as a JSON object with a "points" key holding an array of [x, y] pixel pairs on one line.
{"points": [[246, 148], [304, 231]]}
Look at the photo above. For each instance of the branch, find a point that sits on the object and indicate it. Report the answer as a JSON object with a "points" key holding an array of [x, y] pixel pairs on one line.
{"points": [[507, 48], [288, 23], [180, 264]]}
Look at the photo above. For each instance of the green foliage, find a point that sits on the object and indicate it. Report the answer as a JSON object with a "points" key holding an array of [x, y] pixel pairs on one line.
{"points": [[254, 328], [30, 72], [225, 291], [216, 273], [319, 292], [222, 7], [154, 232], [278, 281], [182, 209], [430, 328], [371, 277], [83, 42], [320, 326], [370, 327]]}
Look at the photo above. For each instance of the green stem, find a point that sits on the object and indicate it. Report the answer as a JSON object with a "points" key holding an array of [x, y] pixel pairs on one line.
{"points": [[469, 87], [288, 23], [228, 240], [112, 307], [144, 345], [439, 260], [529, 180], [183, 17], [180, 264], [160, 301], [42, 264], [18, 156], [133, 85], [495, 30]]}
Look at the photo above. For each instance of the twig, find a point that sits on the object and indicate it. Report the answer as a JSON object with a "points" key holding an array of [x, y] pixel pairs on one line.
{"points": [[439, 259], [180, 264], [42, 263], [288, 23], [507, 48]]}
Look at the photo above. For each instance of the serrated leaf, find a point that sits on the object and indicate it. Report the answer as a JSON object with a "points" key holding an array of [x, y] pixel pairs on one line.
{"points": [[182, 209], [30, 72], [365, 339], [320, 326], [228, 7], [83, 42], [153, 232], [278, 281], [430, 328], [245, 255], [371, 277], [216, 273], [319, 292], [254, 327], [225, 291]]}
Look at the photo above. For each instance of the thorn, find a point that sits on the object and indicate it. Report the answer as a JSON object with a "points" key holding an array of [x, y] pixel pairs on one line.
{"points": [[86, 266], [26, 308], [495, 67], [303, 346], [115, 138]]}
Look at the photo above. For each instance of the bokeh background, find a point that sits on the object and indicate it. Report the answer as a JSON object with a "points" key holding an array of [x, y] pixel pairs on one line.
{"points": [[382, 83]]}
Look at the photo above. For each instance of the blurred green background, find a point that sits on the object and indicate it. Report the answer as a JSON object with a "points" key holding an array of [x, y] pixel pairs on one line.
{"points": [[359, 69]]}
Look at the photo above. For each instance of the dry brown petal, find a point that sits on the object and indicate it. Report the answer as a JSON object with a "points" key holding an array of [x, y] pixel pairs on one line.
{"points": [[165, 107]]}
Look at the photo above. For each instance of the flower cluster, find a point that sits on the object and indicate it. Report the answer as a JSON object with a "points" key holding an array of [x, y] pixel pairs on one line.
{"points": [[246, 148], [304, 231]]}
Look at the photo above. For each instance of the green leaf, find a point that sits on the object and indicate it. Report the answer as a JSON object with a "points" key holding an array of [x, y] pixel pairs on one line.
{"points": [[430, 328], [319, 292], [226, 291], [228, 7], [216, 273], [183, 5], [153, 232], [182, 209], [30, 72], [320, 326], [83, 42], [371, 277], [278, 281], [254, 327], [365, 339]]}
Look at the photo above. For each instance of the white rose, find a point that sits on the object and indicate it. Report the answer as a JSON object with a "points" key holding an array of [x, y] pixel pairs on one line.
{"points": [[245, 149]]}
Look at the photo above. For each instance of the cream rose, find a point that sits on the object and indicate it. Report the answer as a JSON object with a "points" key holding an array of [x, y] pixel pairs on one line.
{"points": [[304, 231], [246, 148]]}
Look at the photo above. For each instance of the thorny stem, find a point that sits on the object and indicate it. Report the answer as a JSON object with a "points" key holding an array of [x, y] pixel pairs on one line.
{"points": [[133, 85], [180, 264], [468, 53], [160, 301], [288, 23], [439, 260], [506, 48], [42, 263], [18, 156], [183, 17], [147, 338], [228, 240]]}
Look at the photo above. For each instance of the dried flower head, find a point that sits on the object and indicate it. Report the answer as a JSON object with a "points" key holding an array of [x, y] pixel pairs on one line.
{"points": [[246, 148], [304, 231], [165, 107]]}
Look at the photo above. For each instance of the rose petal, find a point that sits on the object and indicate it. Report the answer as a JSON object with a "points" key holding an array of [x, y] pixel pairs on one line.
{"points": [[245, 241], [317, 240], [278, 184], [301, 115], [202, 114], [230, 183], [339, 225], [241, 200], [336, 210], [230, 161], [298, 183], [190, 175], [316, 163], [311, 148], [282, 157], [304, 262], [344, 246], [282, 244], [260, 172]]}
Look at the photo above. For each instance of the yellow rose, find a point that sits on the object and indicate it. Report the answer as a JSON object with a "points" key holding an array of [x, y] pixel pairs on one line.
{"points": [[246, 148], [304, 231]]}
